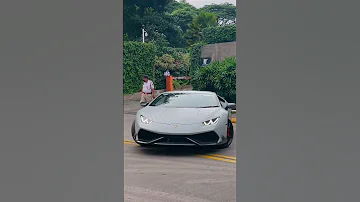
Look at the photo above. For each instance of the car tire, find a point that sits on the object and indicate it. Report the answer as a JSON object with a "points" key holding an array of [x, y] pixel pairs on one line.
{"points": [[230, 138]]}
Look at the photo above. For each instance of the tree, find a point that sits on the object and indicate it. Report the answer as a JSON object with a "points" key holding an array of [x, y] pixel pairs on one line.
{"points": [[176, 5], [219, 34], [225, 13], [138, 13], [203, 20], [183, 17], [172, 23]]}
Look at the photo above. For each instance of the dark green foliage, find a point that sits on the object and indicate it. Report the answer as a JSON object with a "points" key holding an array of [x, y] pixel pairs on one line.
{"points": [[195, 57], [139, 59], [219, 77], [202, 21], [173, 23], [183, 17], [139, 12], [177, 5], [177, 54], [203, 78], [160, 80], [225, 13], [178, 84], [159, 24], [169, 24], [221, 34], [225, 81], [161, 50]]}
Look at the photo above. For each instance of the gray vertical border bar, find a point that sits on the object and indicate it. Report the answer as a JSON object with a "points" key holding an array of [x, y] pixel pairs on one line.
{"points": [[61, 105], [298, 101], [238, 96], [121, 103]]}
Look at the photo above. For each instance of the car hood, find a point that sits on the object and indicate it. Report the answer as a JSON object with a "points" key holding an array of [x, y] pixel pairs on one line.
{"points": [[179, 115]]}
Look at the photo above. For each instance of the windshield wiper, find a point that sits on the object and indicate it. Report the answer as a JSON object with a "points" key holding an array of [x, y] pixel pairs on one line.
{"points": [[209, 106]]}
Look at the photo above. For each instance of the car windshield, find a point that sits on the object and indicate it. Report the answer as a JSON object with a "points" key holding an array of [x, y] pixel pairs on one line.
{"points": [[186, 100]]}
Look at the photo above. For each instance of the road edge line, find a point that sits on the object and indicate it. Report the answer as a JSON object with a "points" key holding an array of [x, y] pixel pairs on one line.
{"points": [[217, 158]]}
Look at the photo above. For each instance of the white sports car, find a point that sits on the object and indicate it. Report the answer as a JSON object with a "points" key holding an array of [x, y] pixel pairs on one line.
{"points": [[186, 118]]}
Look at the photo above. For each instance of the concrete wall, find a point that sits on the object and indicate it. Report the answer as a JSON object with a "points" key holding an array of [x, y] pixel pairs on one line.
{"points": [[219, 51]]}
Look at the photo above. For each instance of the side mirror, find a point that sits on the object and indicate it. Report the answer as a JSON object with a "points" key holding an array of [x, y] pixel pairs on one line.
{"points": [[231, 106], [144, 104]]}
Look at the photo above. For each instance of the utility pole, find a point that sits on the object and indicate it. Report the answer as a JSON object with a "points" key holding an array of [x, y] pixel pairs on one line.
{"points": [[143, 35]]}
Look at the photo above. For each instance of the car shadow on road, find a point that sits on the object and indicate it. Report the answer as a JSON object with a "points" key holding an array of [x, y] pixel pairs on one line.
{"points": [[177, 150]]}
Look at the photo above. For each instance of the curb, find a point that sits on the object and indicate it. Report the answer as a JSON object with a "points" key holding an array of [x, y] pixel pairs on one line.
{"points": [[233, 120]]}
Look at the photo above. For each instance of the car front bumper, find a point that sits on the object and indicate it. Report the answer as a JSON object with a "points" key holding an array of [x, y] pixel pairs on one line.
{"points": [[180, 134]]}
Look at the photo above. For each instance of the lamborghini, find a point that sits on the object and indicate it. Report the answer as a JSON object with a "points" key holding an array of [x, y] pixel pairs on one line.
{"points": [[184, 118]]}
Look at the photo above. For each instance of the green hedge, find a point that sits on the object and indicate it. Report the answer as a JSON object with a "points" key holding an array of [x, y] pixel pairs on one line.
{"points": [[139, 59], [195, 57], [219, 34], [170, 50], [219, 77], [160, 80]]}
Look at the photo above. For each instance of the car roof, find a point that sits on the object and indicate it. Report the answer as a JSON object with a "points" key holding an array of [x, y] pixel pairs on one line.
{"points": [[192, 92]]}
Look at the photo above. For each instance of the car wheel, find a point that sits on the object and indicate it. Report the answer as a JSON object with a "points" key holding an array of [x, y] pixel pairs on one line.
{"points": [[230, 136]]}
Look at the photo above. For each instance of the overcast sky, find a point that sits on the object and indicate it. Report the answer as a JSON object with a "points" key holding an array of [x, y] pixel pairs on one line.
{"points": [[201, 3]]}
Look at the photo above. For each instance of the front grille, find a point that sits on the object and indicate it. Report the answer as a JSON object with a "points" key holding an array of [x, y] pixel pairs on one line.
{"points": [[147, 136], [203, 138], [174, 139]]}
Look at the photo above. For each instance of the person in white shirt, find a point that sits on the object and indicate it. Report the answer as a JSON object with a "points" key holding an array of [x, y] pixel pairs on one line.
{"points": [[148, 90]]}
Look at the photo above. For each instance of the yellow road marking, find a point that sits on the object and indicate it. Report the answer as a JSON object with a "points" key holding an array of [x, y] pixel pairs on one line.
{"points": [[130, 142], [217, 157], [233, 120], [223, 156]]}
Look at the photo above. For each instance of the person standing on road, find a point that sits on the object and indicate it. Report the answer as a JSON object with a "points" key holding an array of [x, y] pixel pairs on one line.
{"points": [[148, 90]]}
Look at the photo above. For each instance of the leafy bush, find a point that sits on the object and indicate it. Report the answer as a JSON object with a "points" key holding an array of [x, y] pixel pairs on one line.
{"points": [[219, 34], [225, 81], [219, 77], [178, 84], [160, 80], [165, 61], [161, 50], [139, 59], [177, 60], [195, 57], [148, 58]]}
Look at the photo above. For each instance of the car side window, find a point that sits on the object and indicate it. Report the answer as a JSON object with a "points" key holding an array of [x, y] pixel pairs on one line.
{"points": [[222, 102]]}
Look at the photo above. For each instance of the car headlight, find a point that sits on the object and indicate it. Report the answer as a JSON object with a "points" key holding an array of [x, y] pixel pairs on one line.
{"points": [[211, 121], [145, 120]]}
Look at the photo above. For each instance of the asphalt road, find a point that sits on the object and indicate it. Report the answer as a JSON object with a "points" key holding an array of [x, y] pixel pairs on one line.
{"points": [[177, 174]]}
